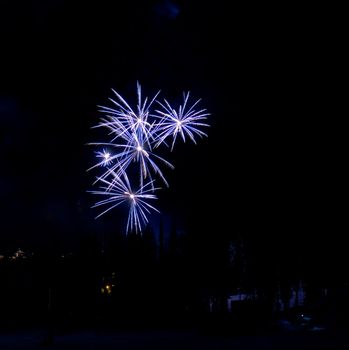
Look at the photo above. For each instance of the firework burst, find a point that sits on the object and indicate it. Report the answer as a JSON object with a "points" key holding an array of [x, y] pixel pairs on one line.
{"points": [[185, 121], [120, 191], [134, 134]]}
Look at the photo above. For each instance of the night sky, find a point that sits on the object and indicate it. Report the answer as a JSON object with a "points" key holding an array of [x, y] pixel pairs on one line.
{"points": [[272, 167]]}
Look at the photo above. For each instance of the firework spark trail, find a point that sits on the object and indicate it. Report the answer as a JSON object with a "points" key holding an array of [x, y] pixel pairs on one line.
{"points": [[126, 119], [133, 151], [105, 155], [182, 122], [135, 133], [120, 191]]}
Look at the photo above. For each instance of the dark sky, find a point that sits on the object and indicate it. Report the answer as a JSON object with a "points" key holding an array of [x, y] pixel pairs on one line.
{"points": [[272, 165]]}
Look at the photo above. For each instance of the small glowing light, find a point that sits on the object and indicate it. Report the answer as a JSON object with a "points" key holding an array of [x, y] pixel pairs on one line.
{"points": [[139, 149], [132, 196], [105, 156], [107, 289], [139, 120], [179, 123]]}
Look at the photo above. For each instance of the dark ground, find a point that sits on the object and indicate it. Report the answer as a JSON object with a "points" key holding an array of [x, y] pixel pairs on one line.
{"points": [[171, 339]]}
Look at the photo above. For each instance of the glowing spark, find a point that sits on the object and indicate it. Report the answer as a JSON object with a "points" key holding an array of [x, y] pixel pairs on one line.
{"points": [[106, 158]]}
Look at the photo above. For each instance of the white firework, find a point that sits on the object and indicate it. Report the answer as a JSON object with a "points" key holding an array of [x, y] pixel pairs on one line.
{"points": [[119, 191], [124, 119], [185, 121], [135, 150], [105, 156], [134, 135]]}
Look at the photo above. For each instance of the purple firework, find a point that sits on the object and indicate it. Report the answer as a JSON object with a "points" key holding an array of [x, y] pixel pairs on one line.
{"points": [[134, 134]]}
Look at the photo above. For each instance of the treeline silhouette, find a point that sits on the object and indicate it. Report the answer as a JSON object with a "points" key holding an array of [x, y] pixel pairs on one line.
{"points": [[170, 279]]}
